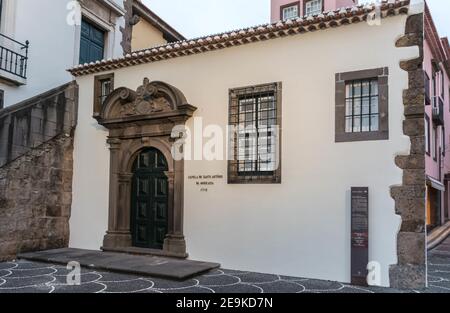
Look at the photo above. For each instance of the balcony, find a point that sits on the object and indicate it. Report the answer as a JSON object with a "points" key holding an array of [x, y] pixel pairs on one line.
{"points": [[13, 61], [438, 110]]}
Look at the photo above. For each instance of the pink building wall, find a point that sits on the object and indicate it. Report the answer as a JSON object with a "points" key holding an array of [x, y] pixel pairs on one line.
{"points": [[438, 51], [329, 5], [431, 166]]}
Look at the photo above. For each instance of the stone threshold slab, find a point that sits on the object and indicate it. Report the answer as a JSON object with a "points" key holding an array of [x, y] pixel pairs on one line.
{"points": [[154, 266], [144, 251]]}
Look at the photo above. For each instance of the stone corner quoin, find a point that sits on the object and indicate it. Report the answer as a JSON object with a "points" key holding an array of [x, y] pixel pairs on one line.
{"points": [[410, 271]]}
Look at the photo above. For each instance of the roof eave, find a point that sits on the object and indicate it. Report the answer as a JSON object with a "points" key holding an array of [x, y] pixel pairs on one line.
{"points": [[326, 20], [168, 31]]}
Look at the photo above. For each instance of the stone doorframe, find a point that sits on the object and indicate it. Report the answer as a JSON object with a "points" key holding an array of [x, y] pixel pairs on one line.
{"points": [[137, 120]]}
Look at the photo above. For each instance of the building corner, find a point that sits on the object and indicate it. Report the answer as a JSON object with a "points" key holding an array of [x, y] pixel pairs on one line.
{"points": [[410, 271]]}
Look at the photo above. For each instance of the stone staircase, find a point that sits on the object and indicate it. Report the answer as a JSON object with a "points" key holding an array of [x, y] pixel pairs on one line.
{"points": [[29, 124], [438, 235], [36, 169]]}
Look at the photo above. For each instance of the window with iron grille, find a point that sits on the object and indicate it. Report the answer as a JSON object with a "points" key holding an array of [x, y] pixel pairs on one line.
{"points": [[361, 109], [255, 120], [290, 11], [104, 85], [362, 105]]}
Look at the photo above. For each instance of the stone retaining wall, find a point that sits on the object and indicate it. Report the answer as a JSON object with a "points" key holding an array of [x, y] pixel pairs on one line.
{"points": [[36, 185]]}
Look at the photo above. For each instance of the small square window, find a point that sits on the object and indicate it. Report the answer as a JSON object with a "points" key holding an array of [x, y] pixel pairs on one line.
{"points": [[290, 11], [103, 86]]}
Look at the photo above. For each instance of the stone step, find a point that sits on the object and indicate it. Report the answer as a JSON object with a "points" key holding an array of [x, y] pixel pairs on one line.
{"points": [[154, 266]]}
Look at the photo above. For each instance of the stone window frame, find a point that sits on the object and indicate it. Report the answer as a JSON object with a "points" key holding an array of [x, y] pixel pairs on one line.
{"points": [[382, 74], [95, 12], [234, 177], [98, 79]]}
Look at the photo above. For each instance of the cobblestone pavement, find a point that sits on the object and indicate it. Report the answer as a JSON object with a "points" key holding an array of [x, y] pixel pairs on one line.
{"points": [[32, 277]]}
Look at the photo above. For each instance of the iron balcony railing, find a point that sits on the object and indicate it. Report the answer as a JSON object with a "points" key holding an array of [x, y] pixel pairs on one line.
{"points": [[13, 56], [438, 110]]}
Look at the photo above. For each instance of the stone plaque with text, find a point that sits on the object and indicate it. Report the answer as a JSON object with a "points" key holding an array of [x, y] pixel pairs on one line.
{"points": [[359, 235]]}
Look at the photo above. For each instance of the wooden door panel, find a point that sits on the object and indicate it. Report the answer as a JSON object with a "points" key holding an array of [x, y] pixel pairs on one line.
{"points": [[149, 222], [160, 212]]}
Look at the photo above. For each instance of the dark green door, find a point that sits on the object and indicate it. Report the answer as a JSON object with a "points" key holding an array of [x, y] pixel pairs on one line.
{"points": [[149, 200], [92, 43]]}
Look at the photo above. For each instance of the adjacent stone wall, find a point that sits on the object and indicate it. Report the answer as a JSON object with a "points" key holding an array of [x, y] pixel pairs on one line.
{"points": [[36, 185], [410, 272], [29, 124]]}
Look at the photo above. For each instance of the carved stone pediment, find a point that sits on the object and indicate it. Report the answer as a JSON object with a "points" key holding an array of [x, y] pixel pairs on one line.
{"points": [[151, 101], [147, 101]]}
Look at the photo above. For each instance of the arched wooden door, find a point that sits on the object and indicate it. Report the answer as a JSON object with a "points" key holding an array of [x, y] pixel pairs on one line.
{"points": [[149, 200]]}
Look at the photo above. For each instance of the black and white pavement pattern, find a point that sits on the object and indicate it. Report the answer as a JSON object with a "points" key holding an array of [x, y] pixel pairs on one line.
{"points": [[32, 277]]}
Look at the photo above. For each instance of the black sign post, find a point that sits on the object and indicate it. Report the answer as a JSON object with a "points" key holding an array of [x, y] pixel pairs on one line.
{"points": [[360, 235]]}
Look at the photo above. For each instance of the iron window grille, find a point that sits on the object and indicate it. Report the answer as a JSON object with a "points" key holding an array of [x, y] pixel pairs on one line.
{"points": [[361, 106], [254, 117]]}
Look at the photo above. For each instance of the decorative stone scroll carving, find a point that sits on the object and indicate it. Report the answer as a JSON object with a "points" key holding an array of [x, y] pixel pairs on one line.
{"points": [[148, 102]]}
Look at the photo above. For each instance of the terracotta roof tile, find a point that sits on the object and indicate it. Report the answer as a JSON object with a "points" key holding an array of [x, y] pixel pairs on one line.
{"points": [[340, 17]]}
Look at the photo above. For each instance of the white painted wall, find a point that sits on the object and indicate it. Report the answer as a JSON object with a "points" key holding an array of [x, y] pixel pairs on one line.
{"points": [[54, 44], [302, 226]]}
